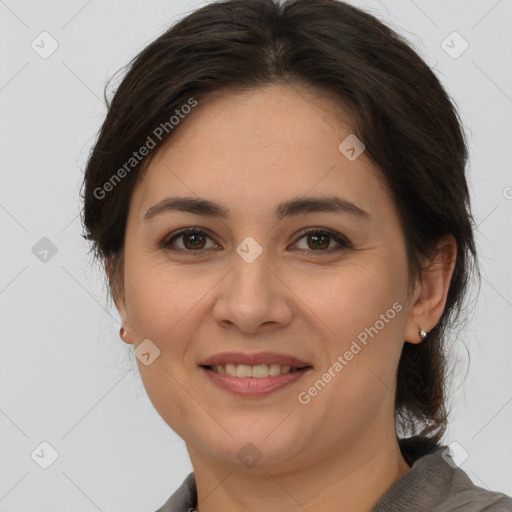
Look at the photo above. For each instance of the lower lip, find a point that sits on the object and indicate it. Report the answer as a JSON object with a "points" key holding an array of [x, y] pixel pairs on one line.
{"points": [[253, 386]]}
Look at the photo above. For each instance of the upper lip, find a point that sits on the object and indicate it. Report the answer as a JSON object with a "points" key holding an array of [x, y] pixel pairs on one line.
{"points": [[254, 359]]}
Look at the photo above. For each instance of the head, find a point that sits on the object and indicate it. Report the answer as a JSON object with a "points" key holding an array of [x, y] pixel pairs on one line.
{"points": [[251, 104]]}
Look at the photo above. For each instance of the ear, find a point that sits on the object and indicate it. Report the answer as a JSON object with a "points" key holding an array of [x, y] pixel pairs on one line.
{"points": [[119, 299], [430, 293]]}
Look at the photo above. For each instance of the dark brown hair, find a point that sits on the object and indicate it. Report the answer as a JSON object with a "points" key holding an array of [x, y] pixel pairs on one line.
{"points": [[401, 112]]}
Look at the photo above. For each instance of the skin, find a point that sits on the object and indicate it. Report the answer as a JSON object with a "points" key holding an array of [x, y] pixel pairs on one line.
{"points": [[249, 152]]}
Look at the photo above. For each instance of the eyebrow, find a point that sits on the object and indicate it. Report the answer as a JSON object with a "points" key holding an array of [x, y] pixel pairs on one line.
{"points": [[293, 207]]}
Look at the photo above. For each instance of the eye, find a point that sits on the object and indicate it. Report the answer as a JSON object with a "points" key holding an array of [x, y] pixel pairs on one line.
{"points": [[193, 240], [320, 240]]}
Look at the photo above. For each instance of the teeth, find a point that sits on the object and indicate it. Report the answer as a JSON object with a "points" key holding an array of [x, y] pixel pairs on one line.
{"points": [[275, 369], [242, 370], [258, 371], [230, 369]]}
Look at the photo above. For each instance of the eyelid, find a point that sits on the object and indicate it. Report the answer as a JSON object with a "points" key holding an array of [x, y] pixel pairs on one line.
{"points": [[342, 241], [166, 242]]}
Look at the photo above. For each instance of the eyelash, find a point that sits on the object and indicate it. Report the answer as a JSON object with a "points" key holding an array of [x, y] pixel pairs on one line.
{"points": [[341, 240]]}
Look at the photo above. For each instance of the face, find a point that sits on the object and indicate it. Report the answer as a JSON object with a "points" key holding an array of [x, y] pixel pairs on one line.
{"points": [[326, 286]]}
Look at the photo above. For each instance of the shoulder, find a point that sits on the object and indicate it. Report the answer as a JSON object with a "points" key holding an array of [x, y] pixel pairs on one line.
{"points": [[436, 484], [184, 498], [477, 500]]}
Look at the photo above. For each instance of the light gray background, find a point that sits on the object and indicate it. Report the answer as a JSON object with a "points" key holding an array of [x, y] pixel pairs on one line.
{"points": [[65, 376]]}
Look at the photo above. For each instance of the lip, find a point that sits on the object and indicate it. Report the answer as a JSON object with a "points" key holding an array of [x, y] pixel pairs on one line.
{"points": [[254, 386], [254, 359]]}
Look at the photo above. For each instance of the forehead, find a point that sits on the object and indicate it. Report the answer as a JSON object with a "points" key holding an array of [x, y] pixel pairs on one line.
{"points": [[271, 115], [267, 144]]}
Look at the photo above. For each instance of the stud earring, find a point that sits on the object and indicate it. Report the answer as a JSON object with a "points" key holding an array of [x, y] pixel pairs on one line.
{"points": [[423, 334]]}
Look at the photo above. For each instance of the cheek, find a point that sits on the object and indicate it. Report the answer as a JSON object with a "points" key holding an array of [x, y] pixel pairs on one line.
{"points": [[362, 310], [362, 346], [159, 296], [162, 306], [352, 298]]}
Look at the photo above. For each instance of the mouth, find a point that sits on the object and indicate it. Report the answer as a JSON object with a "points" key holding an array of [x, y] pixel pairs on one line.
{"points": [[259, 371], [254, 375]]}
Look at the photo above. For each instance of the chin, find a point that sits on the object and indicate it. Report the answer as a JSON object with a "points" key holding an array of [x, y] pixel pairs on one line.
{"points": [[258, 444]]}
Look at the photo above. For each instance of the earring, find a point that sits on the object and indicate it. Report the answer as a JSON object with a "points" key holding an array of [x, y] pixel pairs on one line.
{"points": [[423, 334]]}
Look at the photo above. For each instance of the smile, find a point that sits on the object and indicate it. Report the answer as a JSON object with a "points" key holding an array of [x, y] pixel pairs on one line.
{"points": [[258, 371], [236, 378], [253, 375]]}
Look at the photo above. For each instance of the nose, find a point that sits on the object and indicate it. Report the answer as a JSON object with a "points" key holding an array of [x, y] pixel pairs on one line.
{"points": [[253, 296]]}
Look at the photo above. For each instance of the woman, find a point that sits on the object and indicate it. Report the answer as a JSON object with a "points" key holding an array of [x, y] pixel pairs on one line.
{"points": [[278, 193]]}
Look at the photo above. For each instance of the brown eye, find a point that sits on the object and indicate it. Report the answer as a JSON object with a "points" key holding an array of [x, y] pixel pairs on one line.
{"points": [[319, 240], [192, 240]]}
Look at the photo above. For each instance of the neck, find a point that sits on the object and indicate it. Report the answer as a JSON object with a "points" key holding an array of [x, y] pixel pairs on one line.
{"points": [[354, 480]]}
